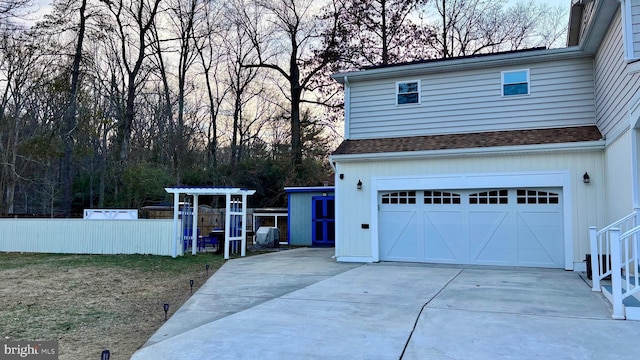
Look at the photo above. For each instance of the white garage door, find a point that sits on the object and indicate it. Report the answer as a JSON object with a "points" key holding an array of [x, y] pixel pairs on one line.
{"points": [[516, 227]]}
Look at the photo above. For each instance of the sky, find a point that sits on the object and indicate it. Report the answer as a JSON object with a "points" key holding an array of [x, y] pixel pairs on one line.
{"points": [[44, 5]]}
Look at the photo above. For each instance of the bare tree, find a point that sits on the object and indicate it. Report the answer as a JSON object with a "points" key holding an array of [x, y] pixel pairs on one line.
{"points": [[381, 31], [552, 28], [292, 38], [13, 9], [69, 123], [133, 19], [239, 50], [468, 27], [210, 54], [16, 61], [182, 15]]}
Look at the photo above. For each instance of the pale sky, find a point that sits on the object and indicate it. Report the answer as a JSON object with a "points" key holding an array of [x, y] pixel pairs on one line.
{"points": [[43, 5]]}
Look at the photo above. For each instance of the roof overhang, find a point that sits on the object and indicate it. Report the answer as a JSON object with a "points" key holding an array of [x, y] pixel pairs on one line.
{"points": [[465, 63], [598, 145], [208, 191], [575, 23], [302, 189], [603, 12]]}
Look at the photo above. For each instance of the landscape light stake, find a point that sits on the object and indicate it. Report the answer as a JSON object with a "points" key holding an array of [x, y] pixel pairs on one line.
{"points": [[166, 308], [106, 354], [207, 267], [191, 285]]}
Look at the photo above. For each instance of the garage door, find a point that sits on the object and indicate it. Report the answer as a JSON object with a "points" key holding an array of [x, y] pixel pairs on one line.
{"points": [[515, 227]]}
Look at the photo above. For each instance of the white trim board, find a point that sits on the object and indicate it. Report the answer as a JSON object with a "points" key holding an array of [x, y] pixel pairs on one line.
{"points": [[355, 259], [560, 178], [597, 145]]}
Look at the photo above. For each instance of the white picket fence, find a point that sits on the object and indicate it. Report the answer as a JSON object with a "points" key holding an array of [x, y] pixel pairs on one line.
{"points": [[79, 236]]}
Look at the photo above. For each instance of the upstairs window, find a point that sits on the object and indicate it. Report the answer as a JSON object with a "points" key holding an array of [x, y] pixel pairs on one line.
{"points": [[515, 82], [408, 92]]}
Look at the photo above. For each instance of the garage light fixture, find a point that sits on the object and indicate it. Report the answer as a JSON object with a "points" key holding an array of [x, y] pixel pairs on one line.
{"points": [[585, 178], [359, 185]]}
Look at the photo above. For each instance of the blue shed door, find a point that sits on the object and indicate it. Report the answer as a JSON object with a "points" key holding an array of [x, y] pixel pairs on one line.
{"points": [[324, 221]]}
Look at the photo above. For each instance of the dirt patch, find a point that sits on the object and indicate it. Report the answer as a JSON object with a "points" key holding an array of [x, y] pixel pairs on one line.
{"points": [[88, 306]]}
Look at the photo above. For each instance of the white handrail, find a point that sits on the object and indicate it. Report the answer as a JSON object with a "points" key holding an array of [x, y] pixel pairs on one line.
{"points": [[616, 245], [620, 222], [616, 278], [631, 261]]}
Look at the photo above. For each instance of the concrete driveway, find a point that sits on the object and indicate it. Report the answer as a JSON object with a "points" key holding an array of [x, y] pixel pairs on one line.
{"points": [[300, 304]]}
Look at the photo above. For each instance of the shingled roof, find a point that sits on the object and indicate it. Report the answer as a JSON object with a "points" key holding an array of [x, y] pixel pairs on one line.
{"points": [[471, 140]]}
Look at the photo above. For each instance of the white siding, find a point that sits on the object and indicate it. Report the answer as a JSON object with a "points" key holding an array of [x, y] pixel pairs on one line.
{"points": [[76, 236], [562, 94], [614, 86], [635, 27], [618, 178], [353, 207]]}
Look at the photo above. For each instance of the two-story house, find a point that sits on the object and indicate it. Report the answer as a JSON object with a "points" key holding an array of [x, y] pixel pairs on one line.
{"points": [[500, 159]]}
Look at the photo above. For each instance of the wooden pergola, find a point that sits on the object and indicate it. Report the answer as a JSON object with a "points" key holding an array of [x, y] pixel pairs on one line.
{"points": [[237, 210]]}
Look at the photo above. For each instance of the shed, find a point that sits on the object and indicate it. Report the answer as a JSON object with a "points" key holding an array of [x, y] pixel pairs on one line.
{"points": [[311, 220]]}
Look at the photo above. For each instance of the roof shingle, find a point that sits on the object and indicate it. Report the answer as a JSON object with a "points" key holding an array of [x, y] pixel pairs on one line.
{"points": [[470, 140]]}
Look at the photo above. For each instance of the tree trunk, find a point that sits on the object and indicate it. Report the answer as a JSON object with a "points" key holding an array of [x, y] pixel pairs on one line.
{"points": [[69, 123], [237, 113], [296, 96], [385, 41]]}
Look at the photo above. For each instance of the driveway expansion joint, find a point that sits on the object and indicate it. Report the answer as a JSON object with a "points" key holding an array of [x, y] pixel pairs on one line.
{"points": [[415, 324]]}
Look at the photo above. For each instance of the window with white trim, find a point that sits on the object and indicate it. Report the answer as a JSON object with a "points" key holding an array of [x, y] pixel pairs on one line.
{"points": [[408, 92], [515, 82]]}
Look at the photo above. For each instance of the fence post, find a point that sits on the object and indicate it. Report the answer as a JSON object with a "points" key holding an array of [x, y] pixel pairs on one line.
{"points": [[595, 258], [616, 279]]}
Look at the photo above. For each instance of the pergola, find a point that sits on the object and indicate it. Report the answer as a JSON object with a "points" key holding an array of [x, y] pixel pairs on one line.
{"points": [[240, 210]]}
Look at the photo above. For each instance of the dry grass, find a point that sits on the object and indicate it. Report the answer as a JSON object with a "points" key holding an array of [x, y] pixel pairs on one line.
{"points": [[94, 302]]}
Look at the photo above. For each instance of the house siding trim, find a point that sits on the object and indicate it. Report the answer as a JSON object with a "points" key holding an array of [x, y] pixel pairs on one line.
{"points": [[559, 179], [496, 150]]}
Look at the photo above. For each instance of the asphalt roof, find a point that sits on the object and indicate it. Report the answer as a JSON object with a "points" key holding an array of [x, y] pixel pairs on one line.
{"points": [[470, 140]]}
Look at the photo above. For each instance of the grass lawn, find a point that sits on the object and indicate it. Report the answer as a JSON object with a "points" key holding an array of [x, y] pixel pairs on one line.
{"points": [[94, 302]]}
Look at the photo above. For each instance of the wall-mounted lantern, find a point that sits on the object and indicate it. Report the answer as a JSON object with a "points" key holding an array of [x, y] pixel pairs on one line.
{"points": [[585, 178], [359, 185]]}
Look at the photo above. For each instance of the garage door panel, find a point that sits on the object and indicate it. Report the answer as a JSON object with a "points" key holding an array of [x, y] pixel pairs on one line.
{"points": [[399, 233], [537, 239], [491, 236], [443, 236]]}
